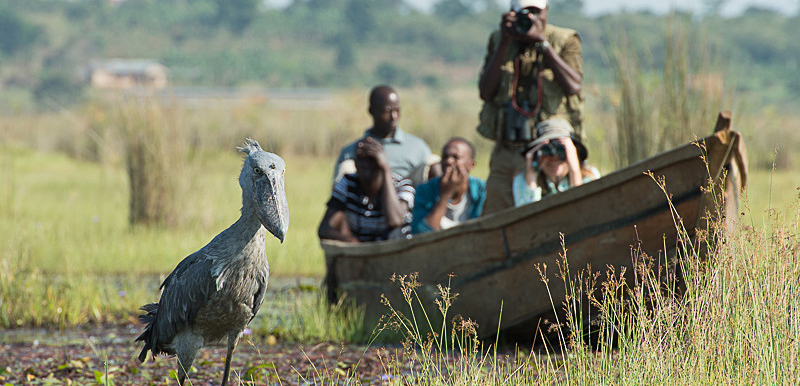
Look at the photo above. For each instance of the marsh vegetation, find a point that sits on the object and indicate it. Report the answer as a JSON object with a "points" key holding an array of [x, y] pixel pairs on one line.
{"points": [[72, 257], [101, 198]]}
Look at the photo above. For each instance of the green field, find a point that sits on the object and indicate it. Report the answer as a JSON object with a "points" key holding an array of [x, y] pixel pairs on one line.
{"points": [[69, 257], [72, 157], [64, 197]]}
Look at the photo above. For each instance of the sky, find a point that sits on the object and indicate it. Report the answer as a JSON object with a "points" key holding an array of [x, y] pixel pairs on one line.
{"points": [[599, 7]]}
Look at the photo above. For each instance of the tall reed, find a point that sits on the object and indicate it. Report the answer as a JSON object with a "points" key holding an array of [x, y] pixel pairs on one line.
{"points": [[156, 152], [724, 310], [660, 108]]}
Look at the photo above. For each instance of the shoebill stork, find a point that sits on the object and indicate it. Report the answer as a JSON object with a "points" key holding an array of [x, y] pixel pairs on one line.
{"points": [[215, 292]]}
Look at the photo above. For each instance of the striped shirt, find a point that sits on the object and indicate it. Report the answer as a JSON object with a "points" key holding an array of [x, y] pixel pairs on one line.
{"points": [[365, 217]]}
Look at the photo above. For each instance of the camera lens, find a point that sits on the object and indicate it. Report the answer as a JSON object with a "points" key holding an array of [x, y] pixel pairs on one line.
{"points": [[524, 21]]}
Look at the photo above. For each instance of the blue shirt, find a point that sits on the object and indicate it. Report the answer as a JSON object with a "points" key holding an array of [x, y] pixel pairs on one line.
{"points": [[523, 194], [428, 195], [407, 155]]}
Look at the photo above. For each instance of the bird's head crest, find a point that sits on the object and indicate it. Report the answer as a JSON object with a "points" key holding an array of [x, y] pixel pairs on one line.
{"points": [[250, 146]]}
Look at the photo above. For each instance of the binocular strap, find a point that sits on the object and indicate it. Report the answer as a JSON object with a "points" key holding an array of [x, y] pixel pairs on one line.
{"points": [[514, 83]]}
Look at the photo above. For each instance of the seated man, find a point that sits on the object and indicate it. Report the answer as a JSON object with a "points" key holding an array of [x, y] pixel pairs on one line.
{"points": [[554, 162], [372, 204], [444, 202], [408, 155]]}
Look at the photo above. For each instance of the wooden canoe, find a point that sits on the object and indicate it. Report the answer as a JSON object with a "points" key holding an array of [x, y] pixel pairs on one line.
{"points": [[491, 261]]}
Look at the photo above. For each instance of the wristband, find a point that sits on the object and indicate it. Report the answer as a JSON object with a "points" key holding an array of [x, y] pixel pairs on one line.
{"points": [[543, 45]]}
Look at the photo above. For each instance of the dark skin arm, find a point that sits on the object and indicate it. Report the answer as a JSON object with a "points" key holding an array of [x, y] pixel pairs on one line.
{"points": [[567, 77], [334, 227], [394, 209]]}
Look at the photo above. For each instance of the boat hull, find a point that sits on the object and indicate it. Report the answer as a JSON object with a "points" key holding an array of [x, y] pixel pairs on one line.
{"points": [[494, 263]]}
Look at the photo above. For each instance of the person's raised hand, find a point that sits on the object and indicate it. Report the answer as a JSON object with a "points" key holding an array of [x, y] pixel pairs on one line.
{"points": [[454, 177], [371, 148], [569, 149], [530, 172], [534, 34]]}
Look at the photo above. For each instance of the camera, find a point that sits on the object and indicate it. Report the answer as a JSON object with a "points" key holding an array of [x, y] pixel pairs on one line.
{"points": [[525, 18], [555, 149], [517, 128]]}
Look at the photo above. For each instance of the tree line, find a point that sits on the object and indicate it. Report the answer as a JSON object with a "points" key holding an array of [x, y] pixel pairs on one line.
{"points": [[44, 44]]}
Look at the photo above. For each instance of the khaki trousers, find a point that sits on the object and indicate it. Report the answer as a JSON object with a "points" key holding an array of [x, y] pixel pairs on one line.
{"points": [[505, 163]]}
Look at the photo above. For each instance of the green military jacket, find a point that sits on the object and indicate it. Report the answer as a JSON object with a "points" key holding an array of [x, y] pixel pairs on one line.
{"points": [[555, 102]]}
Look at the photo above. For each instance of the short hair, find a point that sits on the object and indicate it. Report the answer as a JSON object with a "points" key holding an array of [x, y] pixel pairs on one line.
{"points": [[464, 141], [379, 93]]}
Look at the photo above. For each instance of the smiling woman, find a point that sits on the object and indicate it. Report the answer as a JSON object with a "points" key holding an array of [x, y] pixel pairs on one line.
{"points": [[554, 162]]}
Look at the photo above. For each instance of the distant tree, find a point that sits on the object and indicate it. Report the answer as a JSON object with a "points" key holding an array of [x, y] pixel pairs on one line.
{"points": [[360, 17], [451, 9], [567, 7], [762, 10], [345, 54], [57, 91], [491, 6], [77, 12], [390, 73], [713, 7], [15, 33], [236, 15]]}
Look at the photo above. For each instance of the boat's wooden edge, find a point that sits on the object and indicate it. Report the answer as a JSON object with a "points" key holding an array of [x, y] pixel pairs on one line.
{"points": [[722, 138]]}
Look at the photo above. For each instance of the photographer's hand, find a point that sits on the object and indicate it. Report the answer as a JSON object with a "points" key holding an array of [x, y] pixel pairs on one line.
{"points": [[507, 24], [530, 172], [536, 33], [448, 190], [573, 163], [533, 35]]}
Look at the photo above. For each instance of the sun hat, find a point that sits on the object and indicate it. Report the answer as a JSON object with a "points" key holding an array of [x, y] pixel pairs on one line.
{"points": [[541, 4], [557, 128]]}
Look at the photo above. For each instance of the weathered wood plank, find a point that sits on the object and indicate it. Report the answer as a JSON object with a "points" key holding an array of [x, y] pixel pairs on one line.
{"points": [[491, 262]]}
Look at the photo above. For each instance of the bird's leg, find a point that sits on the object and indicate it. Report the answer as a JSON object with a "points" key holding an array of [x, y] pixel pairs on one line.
{"points": [[233, 340]]}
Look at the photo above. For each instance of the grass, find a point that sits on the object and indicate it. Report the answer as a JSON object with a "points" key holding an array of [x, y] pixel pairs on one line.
{"points": [[64, 202], [730, 317], [65, 223], [68, 255], [733, 321]]}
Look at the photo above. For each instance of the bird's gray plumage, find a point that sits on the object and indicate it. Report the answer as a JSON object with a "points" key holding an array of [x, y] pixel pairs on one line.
{"points": [[215, 292]]}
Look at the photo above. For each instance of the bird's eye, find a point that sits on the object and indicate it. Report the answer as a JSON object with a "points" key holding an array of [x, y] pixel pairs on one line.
{"points": [[257, 171]]}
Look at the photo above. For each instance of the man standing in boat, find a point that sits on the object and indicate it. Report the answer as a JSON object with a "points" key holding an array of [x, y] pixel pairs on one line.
{"points": [[533, 71], [444, 202]]}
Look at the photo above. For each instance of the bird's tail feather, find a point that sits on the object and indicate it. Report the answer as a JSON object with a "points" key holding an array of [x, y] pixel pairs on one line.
{"points": [[147, 336]]}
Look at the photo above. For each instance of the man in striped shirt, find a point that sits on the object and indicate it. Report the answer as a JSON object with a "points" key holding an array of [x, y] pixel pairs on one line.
{"points": [[370, 205]]}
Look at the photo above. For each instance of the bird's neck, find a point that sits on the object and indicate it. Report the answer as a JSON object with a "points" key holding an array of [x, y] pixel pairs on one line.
{"points": [[246, 232]]}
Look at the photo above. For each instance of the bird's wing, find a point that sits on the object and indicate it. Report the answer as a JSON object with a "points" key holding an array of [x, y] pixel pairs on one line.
{"points": [[184, 292], [252, 290], [261, 291]]}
